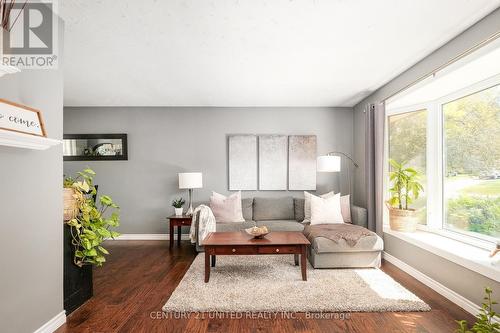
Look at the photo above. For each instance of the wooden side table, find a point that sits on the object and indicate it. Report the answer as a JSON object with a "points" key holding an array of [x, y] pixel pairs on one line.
{"points": [[178, 221]]}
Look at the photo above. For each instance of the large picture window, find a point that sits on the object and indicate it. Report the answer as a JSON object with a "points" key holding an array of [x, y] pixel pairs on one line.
{"points": [[471, 147], [454, 143], [407, 144]]}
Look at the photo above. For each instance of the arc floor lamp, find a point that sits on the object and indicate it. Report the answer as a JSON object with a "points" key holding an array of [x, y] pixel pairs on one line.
{"points": [[331, 162]]}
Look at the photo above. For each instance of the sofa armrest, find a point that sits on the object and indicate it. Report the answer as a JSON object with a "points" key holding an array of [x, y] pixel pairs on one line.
{"points": [[198, 247], [359, 216]]}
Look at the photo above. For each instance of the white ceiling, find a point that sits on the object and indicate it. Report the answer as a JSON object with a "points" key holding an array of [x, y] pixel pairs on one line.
{"points": [[249, 52]]}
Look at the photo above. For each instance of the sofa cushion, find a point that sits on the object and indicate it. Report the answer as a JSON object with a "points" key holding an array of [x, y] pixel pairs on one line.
{"points": [[233, 226], [345, 207], [298, 205], [326, 210], [307, 204], [227, 209], [365, 244], [247, 208], [273, 209], [281, 225]]}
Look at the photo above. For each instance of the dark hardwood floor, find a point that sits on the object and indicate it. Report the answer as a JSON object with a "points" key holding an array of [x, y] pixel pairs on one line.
{"points": [[132, 287]]}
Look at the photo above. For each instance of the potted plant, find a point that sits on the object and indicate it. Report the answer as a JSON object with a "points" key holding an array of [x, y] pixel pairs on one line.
{"points": [[71, 199], [177, 204], [405, 188], [92, 224], [84, 233]]}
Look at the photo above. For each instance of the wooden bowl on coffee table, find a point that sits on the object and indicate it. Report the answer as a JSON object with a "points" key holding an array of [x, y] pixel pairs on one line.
{"points": [[257, 233]]}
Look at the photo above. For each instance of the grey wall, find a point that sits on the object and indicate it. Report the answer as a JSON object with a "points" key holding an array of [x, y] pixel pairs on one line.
{"points": [[463, 281], [31, 226], [166, 141]]}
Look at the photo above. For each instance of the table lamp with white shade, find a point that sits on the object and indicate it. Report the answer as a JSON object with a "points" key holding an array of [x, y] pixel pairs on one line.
{"points": [[190, 180]]}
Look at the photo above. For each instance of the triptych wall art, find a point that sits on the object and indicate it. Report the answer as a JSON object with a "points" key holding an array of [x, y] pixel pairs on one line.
{"points": [[242, 162], [272, 162]]}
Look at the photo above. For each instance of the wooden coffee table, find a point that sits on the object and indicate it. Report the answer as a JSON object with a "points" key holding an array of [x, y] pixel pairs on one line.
{"points": [[240, 243]]}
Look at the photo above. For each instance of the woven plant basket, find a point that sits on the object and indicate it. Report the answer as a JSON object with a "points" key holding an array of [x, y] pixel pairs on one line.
{"points": [[71, 209], [404, 220]]}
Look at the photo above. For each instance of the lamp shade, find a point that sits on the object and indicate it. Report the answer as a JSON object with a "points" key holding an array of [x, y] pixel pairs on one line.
{"points": [[190, 180], [327, 163]]}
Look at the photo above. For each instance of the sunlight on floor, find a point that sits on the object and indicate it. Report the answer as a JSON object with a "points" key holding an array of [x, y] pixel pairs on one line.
{"points": [[383, 287], [407, 319]]}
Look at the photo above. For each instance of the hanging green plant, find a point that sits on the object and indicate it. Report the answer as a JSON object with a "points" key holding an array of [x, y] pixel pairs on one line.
{"points": [[93, 223]]}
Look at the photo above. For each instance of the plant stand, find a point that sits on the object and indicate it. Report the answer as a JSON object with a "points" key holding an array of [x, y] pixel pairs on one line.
{"points": [[78, 286]]}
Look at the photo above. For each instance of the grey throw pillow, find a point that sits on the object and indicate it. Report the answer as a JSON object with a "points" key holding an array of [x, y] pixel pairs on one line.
{"points": [[298, 205], [273, 209], [247, 208]]}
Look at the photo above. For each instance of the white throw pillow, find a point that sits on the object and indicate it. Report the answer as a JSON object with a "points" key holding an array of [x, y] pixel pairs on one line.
{"points": [[326, 210], [307, 204], [345, 207], [227, 209]]}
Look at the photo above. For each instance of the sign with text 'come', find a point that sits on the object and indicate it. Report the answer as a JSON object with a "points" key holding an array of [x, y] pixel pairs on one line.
{"points": [[19, 118]]}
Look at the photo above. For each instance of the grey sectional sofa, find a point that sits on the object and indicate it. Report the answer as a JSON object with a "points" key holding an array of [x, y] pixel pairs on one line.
{"points": [[287, 213]]}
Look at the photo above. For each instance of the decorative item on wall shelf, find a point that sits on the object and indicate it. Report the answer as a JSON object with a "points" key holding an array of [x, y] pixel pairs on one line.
{"points": [[8, 7], [21, 119], [6, 69], [404, 188], [177, 204], [95, 147], [190, 181]]}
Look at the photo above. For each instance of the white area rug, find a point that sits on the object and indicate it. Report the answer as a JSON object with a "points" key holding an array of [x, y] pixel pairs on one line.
{"points": [[274, 283]]}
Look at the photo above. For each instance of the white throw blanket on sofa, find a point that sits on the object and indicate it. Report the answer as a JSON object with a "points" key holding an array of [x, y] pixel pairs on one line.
{"points": [[205, 221]]}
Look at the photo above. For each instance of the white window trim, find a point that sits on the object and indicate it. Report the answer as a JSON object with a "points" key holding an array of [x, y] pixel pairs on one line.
{"points": [[435, 163]]}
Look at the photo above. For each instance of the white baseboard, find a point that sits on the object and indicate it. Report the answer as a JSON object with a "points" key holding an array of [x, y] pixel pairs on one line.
{"points": [[165, 237], [53, 324], [458, 299]]}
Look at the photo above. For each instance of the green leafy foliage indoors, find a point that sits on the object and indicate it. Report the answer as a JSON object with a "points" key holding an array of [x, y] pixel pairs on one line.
{"points": [[484, 323], [93, 224], [178, 203], [405, 185]]}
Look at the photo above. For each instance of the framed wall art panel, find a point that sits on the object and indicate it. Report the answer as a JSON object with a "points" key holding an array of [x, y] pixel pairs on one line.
{"points": [[242, 162], [273, 162], [302, 162]]}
